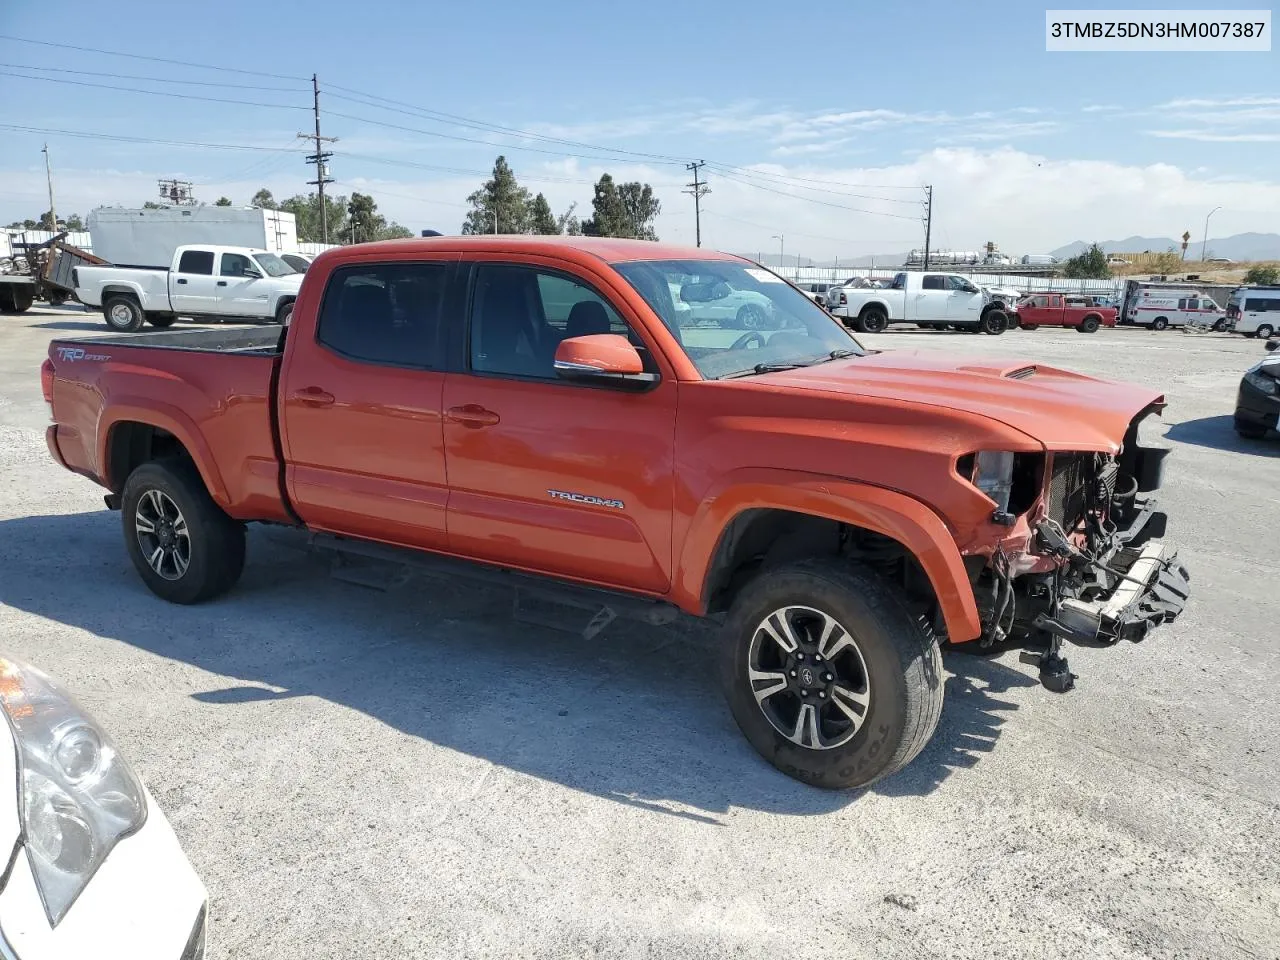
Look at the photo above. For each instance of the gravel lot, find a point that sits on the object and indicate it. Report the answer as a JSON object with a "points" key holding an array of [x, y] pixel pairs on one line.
{"points": [[414, 773]]}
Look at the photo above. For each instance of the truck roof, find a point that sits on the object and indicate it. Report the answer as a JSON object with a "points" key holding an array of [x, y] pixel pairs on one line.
{"points": [[608, 249]]}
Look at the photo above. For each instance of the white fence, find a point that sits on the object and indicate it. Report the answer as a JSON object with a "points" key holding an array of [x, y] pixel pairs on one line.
{"points": [[829, 275]]}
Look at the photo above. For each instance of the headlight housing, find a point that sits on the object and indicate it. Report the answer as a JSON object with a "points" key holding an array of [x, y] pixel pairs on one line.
{"points": [[993, 475], [1260, 381], [77, 796]]}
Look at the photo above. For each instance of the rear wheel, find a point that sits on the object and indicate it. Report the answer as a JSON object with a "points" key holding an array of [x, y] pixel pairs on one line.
{"points": [[284, 314], [1250, 432], [123, 313], [1264, 332], [828, 675], [872, 320], [1159, 323], [15, 298], [182, 544], [1029, 326], [1089, 325], [161, 320]]}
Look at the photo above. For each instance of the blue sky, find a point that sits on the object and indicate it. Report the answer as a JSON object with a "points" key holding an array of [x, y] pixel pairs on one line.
{"points": [[796, 108]]}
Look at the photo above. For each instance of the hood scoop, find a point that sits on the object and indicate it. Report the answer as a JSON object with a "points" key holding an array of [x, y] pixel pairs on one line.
{"points": [[1022, 373], [1007, 373]]}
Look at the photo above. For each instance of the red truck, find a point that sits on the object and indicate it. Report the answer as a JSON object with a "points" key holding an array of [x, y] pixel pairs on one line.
{"points": [[554, 411], [1057, 310]]}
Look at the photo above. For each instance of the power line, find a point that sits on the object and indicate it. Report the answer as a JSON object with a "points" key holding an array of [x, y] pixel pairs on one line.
{"points": [[835, 183], [134, 76], [154, 93], [123, 138], [801, 233], [825, 203], [139, 56], [782, 181], [429, 114]]}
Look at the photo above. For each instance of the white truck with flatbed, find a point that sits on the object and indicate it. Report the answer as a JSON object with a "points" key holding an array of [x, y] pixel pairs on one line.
{"points": [[927, 299], [203, 282]]}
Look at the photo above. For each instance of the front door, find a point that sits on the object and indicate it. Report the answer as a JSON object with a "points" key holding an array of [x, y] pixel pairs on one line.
{"points": [[242, 291], [361, 423], [192, 288], [964, 302], [931, 299], [545, 474]]}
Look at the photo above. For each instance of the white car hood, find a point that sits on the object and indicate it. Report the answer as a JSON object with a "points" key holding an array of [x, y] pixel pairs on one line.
{"points": [[10, 824], [1270, 364]]}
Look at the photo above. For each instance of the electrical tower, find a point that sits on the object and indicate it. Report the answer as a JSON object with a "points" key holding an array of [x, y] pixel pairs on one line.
{"points": [[928, 221], [177, 192], [321, 159], [698, 189]]}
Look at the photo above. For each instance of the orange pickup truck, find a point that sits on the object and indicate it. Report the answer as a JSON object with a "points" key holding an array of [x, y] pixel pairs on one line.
{"points": [[1056, 310], [566, 412]]}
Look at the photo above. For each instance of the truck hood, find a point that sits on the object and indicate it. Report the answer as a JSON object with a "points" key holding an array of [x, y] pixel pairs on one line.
{"points": [[1060, 409]]}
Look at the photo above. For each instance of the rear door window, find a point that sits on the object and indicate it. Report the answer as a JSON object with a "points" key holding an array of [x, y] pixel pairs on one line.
{"points": [[196, 261], [933, 283], [388, 313]]}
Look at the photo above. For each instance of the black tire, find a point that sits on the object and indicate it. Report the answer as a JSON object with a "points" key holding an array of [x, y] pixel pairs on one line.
{"points": [[57, 298], [1159, 323], [872, 320], [15, 299], [285, 312], [994, 323], [161, 320], [1250, 432], [123, 313], [1028, 326], [1089, 324], [898, 657], [1264, 332], [214, 542], [1220, 324]]}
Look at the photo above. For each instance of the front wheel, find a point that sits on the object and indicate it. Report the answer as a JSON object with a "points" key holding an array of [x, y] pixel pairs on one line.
{"points": [[994, 322], [1219, 325], [828, 675], [1264, 332], [182, 544]]}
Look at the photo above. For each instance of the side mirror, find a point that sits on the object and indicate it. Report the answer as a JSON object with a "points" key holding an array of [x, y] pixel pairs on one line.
{"points": [[695, 293], [1272, 345], [601, 358]]}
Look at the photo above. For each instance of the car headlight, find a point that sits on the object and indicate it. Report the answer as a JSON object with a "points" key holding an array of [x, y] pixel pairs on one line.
{"points": [[993, 475], [1260, 381], [77, 796]]}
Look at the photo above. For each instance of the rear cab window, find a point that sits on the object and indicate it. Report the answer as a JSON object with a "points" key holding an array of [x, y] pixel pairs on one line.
{"points": [[386, 313], [197, 262]]}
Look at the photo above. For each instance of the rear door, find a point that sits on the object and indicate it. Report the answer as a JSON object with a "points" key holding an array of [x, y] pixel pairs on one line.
{"points": [[361, 422], [930, 301], [550, 475], [192, 287], [242, 292]]}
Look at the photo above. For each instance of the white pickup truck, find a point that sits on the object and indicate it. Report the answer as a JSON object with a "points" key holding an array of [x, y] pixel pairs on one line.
{"points": [[935, 300], [222, 283]]}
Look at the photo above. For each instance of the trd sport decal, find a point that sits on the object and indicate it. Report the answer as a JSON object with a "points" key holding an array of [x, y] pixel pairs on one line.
{"points": [[586, 498]]}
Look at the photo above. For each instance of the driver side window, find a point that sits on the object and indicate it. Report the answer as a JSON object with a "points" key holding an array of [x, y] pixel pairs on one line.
{"points": [[235, 265]]}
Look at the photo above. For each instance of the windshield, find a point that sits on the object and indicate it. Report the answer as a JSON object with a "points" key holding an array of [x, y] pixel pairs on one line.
{"points": [[298, 263], [733, 318], [272, 265]]}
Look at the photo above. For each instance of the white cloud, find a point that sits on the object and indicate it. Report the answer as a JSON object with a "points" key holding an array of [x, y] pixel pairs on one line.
{"points": [[1100, 107], [1220, 102], [1207, 136]]}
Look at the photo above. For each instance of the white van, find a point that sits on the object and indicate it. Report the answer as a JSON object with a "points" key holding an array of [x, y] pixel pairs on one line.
{"points": [[1255, 310], [1157, 309]]}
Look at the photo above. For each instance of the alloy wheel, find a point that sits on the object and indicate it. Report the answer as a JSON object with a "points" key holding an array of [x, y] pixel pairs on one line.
{"points": [[162, 534]]}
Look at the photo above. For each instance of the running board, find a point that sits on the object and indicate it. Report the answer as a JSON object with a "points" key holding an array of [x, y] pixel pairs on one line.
{"points": [[532, 594]]}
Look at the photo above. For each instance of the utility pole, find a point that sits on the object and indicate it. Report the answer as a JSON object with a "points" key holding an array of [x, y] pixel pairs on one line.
{"points": [[53, 214], [1204, 247], [782, 248], [928, 221], [320, 159], [698, 189]]}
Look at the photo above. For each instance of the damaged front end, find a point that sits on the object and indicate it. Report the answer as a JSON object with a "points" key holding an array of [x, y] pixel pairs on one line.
{"points": [[1083, 559]]}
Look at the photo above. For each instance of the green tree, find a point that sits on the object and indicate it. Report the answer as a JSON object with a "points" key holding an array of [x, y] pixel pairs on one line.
{"points": [[500, 206], [74, 223], [365, 223], [46, 222], [1089, 265], [263, 200], [1262, 276], [306, 214], [541, 219], [222, 202], [622, 210], [1166, 263]]}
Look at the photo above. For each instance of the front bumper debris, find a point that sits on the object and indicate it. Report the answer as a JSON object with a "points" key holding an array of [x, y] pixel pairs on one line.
{"points": [[1151, 589]]}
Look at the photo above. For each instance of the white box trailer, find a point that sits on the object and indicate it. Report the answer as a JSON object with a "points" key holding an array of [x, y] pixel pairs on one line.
{"points": [[147, 238]]}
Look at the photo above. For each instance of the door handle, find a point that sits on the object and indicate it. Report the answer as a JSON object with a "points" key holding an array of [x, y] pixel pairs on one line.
{"points": [[222, 283], [472, 415], [180, 280], [314, 397]]}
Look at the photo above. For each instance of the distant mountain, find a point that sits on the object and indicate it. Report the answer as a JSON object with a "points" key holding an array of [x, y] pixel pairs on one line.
{"points": [[1241, 246], [870, 260]]}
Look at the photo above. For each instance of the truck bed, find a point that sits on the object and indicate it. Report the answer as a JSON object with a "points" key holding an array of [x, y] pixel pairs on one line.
{"points": [[261, 341], [210, 389]]}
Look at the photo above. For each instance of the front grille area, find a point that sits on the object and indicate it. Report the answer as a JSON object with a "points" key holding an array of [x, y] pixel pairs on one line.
{"points": [[1069, 489]]}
